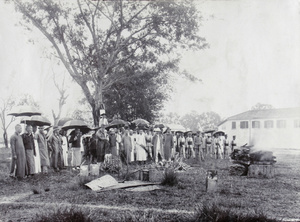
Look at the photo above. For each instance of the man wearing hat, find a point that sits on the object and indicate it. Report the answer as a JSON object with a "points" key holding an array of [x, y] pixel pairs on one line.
{"points": [[42, 146], [28, 141], [168, 144], [75, 140], [102, 143], [157, 142], [55, 142]]}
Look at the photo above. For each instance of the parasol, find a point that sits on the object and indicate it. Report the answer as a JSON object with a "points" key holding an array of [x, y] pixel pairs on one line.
{"points": [[73, 124], [62, 121], [139, 122], [36, 121], [83, 130], [117, 123], [219, 133], [24, 111]]}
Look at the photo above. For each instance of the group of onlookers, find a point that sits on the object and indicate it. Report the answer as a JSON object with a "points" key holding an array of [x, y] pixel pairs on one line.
{"points": [[156, 144], [37, 150]]}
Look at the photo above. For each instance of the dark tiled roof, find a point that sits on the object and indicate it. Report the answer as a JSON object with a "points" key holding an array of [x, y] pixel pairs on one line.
{"points": [[267, 114]]}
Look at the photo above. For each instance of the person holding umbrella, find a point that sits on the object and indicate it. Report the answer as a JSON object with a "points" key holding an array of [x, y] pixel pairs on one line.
{"points": [[18, 153], [29, 146], [75, 140], [43, 148]]}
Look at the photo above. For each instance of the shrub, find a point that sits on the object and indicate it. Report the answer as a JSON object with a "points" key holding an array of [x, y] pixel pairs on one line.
{"points": [[66, 215], [213, 213], [170, 178]]}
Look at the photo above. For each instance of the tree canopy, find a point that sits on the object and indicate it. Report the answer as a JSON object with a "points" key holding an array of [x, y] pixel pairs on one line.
{"points": [[110, 46]]}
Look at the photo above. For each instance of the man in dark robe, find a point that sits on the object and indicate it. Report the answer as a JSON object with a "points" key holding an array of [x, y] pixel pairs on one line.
{"points": [[127, 146], [113, 142], [42, 146], [168, 144], [30, 152], [18, 152]]}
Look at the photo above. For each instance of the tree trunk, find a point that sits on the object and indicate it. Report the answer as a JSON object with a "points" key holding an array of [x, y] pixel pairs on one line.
{"points": [[96, 115], [5, 138]]}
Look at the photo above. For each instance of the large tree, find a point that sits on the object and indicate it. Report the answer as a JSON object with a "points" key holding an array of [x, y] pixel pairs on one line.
{"points": [[5, 107], [104, 44], [204, 121]]}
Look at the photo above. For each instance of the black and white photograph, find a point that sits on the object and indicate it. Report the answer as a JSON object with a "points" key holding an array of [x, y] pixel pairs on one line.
{"points": [[152, 110]]}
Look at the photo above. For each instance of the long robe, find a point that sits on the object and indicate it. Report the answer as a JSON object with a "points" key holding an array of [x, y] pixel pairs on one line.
{"points": [[29, 152], [133, 142], [42, 144], [37, 158], [141, 154], [57, 159], [168, 145], [65, 150], [127, 144], [16, 143], [157, 147], [113, 144]]}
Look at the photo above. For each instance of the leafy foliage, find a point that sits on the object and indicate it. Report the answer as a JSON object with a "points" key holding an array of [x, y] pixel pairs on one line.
{"points": [[204, 121], [170, 178], [108, 46]]}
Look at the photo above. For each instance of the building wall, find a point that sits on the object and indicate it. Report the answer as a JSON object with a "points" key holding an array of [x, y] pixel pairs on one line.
{"points": [[265, 138]]}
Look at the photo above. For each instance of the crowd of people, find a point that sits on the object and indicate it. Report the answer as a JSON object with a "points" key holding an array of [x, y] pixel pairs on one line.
{"points": [[36, 150]]}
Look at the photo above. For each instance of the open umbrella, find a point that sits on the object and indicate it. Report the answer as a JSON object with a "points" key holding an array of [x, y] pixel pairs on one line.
{"points": [[24, 111], [36, 121], [62, 121], [139, 122], [83, 130], [219, 133], [117, 123], [73, 124]]}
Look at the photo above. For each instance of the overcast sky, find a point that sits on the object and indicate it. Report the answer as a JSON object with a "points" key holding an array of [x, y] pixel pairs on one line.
{"points": [[253, 57]]}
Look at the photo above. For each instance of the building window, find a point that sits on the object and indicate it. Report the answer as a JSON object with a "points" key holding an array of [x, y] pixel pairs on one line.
{"points": [[269, 124], [244, 124], [233, 125], [297, 123], [281, 124], [255, 124]]}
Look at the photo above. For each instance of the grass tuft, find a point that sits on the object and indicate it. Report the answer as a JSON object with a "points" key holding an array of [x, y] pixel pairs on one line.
{"points": [[214, 213], [170, 178], [66, 215]]}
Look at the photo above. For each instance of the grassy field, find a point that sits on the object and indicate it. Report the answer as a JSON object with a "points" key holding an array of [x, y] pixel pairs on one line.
{"points": [[276, 198]]}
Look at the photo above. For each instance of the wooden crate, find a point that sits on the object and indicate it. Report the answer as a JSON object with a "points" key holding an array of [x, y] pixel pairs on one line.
{"points": [[261, 171]]}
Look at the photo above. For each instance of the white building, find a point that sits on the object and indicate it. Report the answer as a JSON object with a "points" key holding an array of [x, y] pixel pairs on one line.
{"points": [[269, 129]]}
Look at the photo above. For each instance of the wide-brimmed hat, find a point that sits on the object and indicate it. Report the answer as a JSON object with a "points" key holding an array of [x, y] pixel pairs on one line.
{"points": [[157, 129]]}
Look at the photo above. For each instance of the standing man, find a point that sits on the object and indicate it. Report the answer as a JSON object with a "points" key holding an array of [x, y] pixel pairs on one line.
{"points": [[102, 144], [29, 146], [42, 146], [141, 154], [113, 142], [233, 143], [198, 145], [168, 144], [226, 147], [75, 140], [208, 142], [157, 142], [57, 152], [18, 153], [127, 146]]}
